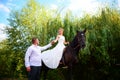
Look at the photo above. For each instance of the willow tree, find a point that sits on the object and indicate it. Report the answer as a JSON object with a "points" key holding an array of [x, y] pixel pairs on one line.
{"points": [[30, 21], [101, 52]]}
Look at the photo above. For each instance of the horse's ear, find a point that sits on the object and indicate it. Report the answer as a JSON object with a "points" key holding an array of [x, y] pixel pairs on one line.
{"points": [[84, 30]]}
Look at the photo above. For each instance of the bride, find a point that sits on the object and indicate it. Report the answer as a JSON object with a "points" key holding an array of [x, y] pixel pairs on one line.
{"points": [[51, 58]]}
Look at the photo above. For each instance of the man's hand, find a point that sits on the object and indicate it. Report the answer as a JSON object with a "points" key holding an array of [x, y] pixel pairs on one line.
{"points": [[52, 42], [28, 69]]}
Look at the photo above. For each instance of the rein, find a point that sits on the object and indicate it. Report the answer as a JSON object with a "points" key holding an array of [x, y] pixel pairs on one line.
{"points": [[76, 46]]}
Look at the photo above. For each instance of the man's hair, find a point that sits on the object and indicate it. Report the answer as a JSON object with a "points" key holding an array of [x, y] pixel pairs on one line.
{"points": [[33, 39]]}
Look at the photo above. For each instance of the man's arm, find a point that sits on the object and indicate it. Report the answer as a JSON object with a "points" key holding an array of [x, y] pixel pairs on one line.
{"points": [[46, 47], [27, 56]]}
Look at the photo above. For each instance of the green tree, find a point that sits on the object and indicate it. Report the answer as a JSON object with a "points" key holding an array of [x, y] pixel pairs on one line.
{"points": [[99, 57]]}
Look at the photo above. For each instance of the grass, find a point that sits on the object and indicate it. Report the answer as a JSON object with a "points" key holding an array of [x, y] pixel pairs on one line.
{"points": [[12, 79]]}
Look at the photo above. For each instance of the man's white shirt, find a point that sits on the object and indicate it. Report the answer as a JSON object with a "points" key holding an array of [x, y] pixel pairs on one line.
{"points": [[33, 55]]}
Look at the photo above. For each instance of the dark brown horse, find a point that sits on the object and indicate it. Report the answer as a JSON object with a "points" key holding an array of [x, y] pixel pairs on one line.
{"points": [[70, 53]]}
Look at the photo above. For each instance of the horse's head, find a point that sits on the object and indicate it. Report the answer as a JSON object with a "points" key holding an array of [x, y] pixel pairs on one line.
{"points": [[81, 38]]}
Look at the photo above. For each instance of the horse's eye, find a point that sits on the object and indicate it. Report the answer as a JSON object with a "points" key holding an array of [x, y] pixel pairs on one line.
{"points": [[82, 34]]}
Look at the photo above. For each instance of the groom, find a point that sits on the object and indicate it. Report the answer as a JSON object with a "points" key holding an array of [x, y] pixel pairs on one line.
{"points": [[33, 59]]}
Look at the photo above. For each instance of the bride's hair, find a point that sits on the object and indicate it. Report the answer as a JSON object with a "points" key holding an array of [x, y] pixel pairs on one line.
{"points": [[61, 29]]}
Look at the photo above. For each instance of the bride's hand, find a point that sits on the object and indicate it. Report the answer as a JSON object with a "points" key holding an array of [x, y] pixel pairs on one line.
{"points": [[67, 42]]}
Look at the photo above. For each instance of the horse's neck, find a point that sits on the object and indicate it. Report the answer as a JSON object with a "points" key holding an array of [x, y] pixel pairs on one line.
{"points": [[74, 45]]}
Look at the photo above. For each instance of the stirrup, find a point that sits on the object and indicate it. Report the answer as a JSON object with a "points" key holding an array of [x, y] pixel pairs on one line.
{"points": [[65, 67]]}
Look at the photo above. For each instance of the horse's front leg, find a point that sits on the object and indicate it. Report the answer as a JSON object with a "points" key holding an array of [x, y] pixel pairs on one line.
{"points": [[70, 72], [45, 71]]}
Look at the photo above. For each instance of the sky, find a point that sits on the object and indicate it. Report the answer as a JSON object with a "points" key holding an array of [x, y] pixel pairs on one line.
{"points": [[78, 7]]}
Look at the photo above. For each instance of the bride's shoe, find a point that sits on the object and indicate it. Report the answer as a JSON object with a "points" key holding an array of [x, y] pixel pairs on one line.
{"points": [[60, 63], [63, 65]]}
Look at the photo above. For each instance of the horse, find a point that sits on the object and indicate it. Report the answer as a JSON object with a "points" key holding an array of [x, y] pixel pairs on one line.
{"points": [[70, 53]]}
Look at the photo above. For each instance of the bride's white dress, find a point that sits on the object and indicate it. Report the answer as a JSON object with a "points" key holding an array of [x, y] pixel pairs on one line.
{"points": [[51, 58]]}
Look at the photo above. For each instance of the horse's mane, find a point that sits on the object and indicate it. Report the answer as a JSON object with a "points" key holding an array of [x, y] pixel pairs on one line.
{"points": [[74, 43]]}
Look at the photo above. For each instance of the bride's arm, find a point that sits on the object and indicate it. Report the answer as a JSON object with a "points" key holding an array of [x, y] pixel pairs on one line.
{"points": [[56, 39], [66, 42]]}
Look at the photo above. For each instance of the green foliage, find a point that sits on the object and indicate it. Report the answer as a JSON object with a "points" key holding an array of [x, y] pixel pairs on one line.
{"points": [[97, 61], [102, 50]]}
